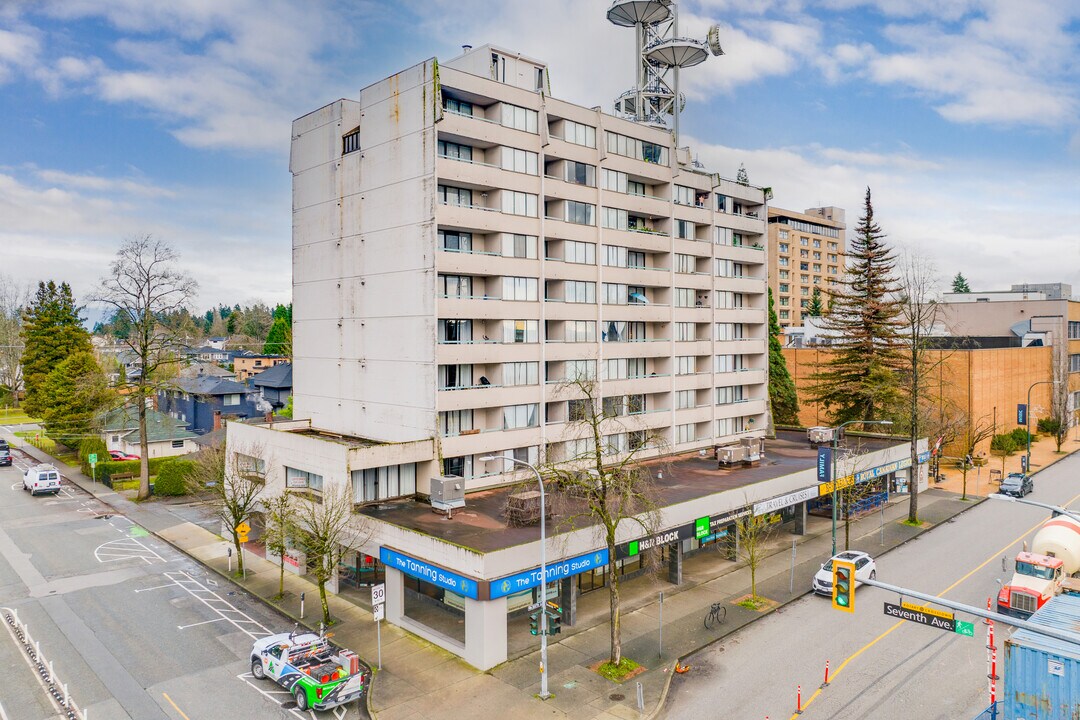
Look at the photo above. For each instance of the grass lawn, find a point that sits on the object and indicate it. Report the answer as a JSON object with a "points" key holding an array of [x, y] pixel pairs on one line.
{"points": [[47, 445], [15, 416]]}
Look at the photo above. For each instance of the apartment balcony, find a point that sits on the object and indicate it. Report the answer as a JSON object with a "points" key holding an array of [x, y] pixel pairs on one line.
{"points": [[486, 396], [742, 284], [558, 228], [747, 376], [487, 308], [649, 241], [694, 415], [702, 314], [697, 214], [648, 276], [747, 315], [742, 253], [637, 312], [485, 217], [694, 347], [486, 131], [650, 384], [480, 175], [643, 205], [557, 350], [559, 149], [559, 310], [741, 408], [484, 441], [699, 281], [639, 348], [555, 269], [456, 262], [653, 172], [478, 352], [695, 381], [743, 346], [740, 223], [556, 188]]}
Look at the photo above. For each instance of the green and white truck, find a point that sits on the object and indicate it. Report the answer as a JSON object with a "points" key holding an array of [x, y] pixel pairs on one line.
{"points": [[318, 674]]}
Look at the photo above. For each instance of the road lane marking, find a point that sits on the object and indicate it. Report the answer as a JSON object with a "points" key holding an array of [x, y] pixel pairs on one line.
{"points": [[166, 696], [864, 648], [204, 622], [3, 715], [207, 596], [156, 587]]}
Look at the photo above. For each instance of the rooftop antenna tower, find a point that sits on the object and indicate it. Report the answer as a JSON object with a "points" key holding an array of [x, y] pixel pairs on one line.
{"points": [[659, 54]]}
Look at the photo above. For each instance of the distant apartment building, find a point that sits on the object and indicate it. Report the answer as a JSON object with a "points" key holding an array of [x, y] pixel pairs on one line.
{"points": [[248, 366], [807, 251]]}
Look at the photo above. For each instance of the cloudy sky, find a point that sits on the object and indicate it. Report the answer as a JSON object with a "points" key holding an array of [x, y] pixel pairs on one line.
{"points": [[124, 117]]}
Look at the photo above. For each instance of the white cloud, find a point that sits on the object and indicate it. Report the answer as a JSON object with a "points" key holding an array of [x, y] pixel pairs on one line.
{"points": [[1008, 63], [976, 219], [18, 50], [64, 226]]}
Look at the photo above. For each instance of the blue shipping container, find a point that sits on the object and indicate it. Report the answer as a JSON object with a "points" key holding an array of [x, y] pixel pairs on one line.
{"points": [[1042, 674]]}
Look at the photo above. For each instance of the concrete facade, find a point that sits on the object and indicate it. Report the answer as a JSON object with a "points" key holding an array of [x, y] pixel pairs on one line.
{"points": [[807, 250], [475, 242]]}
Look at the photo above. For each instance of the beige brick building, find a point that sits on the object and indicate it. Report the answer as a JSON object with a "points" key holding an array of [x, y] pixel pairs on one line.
{"points": [[808, 252]]}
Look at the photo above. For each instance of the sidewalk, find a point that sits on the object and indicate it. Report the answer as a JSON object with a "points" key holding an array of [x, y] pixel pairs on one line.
{"points": [[1043, 454], [420, 681]]}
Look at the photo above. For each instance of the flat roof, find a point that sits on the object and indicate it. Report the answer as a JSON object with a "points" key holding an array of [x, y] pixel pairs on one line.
{"points": [[482, 526]]}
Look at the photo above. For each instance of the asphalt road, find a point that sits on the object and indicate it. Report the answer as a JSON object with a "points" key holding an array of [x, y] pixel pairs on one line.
{"points": [[881, 668], [135, 629]]}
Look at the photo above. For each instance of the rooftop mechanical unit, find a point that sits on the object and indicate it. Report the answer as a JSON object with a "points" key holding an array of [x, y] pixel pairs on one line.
{"points": [[730, 455], [820, 435], [447, 493]]}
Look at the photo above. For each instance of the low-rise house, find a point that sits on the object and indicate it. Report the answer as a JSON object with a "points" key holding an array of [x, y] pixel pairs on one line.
{"points": [[166, 436], [274, 385], [210, 354], [204, 401], [248, 366]]}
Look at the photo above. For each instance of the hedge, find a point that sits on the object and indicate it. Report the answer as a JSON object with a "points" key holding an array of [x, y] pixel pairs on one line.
{"points": [[172, 476], [105, 470], [1020, 435], [90, 446]]}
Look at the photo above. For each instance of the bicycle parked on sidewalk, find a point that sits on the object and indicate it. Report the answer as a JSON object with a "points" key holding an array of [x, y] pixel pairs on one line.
{"points": [[717, 614]]}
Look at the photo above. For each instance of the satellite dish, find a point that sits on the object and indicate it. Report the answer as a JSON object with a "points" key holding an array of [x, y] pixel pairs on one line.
{"points": [[713, 39]]}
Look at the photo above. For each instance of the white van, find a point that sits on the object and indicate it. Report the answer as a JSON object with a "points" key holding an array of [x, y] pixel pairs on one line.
{"points": [[41, 479]]}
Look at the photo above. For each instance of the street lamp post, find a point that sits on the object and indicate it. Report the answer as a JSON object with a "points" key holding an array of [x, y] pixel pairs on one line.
{"points": [[835, 447], [541, 626], [1027, 421]]}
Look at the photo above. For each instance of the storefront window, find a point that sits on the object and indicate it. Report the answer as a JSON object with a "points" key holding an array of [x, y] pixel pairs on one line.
{"points": [[439, 610]]}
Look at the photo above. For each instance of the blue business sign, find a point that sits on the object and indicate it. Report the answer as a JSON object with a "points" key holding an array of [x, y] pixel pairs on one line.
{"points": [[1021, 414], [459, 584], [556, 571], [824, 464]]}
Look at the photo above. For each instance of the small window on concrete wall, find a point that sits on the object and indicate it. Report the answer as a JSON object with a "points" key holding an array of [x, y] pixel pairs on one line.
{"points": [[350, 142]]}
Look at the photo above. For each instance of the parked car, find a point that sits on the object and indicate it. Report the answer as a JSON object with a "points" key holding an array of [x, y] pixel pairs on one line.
{"points": [[42, 479], [1016, 485], [5, 455], [865, 569], [117, 455]]}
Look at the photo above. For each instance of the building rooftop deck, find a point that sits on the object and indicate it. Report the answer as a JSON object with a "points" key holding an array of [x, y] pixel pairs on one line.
{"points": [[482, 526]]}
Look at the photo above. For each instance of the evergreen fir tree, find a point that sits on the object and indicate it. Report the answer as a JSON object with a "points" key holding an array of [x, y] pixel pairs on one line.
{"points": [[960, 284], [741, 176], [857, 379], [52, 331], [782, 396], [816, 307], [75, 392]]}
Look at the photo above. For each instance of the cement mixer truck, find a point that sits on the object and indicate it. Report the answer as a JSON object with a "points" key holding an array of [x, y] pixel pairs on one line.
{"points": [[1049, 569]]}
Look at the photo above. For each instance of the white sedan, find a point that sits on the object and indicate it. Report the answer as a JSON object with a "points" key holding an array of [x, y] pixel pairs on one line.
{"points": [[865, 569]]}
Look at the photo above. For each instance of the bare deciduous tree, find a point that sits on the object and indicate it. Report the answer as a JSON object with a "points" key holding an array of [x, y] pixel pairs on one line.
{"points": [[235, 482], [13, 298], [280, 528], [753, 533], [144, 285], [919, 311], [327, 529], [973, 434], [603, 483]]}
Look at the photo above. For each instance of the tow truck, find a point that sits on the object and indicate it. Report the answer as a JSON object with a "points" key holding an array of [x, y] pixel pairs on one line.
{"points": [[318, 674]]}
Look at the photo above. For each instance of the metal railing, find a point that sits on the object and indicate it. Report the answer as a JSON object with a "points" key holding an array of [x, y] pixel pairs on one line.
{"points": [[58, 691]]}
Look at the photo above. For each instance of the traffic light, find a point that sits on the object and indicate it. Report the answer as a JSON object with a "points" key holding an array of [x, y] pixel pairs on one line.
{"points": [[554, 622], [843, 586], [534, 624]]}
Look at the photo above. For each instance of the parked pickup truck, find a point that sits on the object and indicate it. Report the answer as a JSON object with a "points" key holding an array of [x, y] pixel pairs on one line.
{"points": [[318, 674]]}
